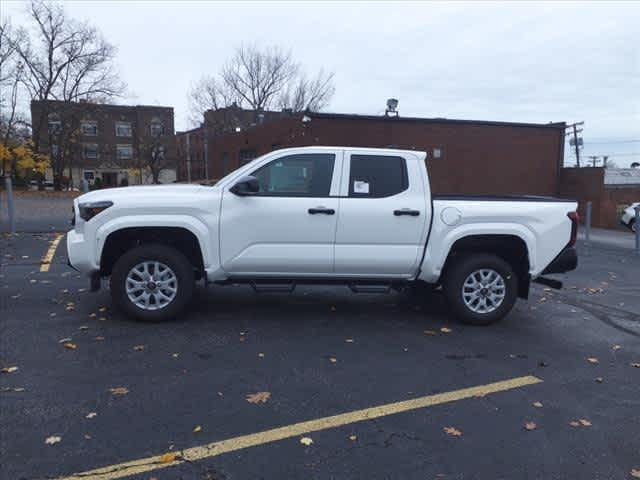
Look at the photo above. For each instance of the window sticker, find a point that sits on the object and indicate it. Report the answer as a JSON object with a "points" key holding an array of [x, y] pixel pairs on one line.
{"points": [[360, 186]]}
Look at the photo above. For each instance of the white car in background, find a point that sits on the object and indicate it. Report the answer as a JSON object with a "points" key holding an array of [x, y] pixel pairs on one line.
{"points": [[629, 217]]}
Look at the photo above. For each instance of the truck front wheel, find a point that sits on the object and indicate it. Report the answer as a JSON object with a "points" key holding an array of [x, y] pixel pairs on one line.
{"points": [[152, 282], [480, 288]]}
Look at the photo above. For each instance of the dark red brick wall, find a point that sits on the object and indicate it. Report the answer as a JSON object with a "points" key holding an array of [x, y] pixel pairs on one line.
{"points": [[587, 185], [477, 158]]}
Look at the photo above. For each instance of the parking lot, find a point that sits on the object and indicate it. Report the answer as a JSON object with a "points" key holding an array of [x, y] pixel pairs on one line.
{"points": [[320, 383]]}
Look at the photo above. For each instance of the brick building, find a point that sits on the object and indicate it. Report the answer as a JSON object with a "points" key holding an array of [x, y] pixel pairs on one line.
{"points": [[106, 144], [610, 190], [464, 156]]}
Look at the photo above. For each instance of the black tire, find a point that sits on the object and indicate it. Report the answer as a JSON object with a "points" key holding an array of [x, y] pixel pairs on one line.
{"points": [[460, 270], [172, 258], [632, 225]]}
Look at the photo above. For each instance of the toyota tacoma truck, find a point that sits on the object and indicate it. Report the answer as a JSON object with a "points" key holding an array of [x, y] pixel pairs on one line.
{"points": [[361, 217]]}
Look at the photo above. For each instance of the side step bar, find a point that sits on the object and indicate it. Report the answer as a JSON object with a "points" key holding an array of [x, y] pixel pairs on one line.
{"points": [[369, 288], [260, 287]]}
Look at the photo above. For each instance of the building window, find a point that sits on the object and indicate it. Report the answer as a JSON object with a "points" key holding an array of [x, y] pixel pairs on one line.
{"points": [[123, 129], [246, 155], [437, 152], [124, 152], [89, 128], [90, 150], [54, 123], [156, 128], [55, 150], [376, 176], [89, 175]]}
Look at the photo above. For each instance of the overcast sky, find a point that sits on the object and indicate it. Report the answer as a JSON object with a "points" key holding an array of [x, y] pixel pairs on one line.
{"points": [[513, 61]]}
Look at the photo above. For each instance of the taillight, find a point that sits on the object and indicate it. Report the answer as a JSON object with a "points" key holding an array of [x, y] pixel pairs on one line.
{"points": [[574, 217]]}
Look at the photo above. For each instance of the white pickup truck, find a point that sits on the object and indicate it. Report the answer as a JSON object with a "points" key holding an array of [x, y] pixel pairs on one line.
{"points": [[362, 217]]}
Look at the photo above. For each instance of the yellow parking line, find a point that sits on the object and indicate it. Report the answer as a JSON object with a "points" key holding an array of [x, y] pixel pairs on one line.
{"points": [[46, 260], [169, 459]]}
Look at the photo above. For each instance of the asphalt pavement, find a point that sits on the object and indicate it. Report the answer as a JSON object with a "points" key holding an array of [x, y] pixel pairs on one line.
{"points": [[193, 398]]}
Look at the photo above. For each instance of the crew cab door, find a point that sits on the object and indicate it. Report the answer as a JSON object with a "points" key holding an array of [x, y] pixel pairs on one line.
{"points": [[384, 215], [287, 228]]}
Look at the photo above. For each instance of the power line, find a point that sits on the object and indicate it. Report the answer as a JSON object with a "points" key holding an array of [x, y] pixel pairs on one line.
{"points": [[616, 141]]}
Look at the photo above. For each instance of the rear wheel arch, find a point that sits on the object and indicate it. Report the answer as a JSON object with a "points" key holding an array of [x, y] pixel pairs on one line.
{"points": [[511, 248], [121, 241]]}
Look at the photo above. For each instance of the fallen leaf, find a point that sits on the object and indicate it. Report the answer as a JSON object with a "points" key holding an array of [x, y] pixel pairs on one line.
{"points": [[99, 338], [175, 355], [258, 397], [87, 436], [430, 332], [92, 315], [333, 309], [9, 369], [102, 309], [593, 360], [537, 404], [635, 472], [65, 340], [83, 327], [353, 438], [70, 346], [119, 390], [138, 348], [333, 359], [52, 440], [636, 365], [261, 355], [446, 330], [452, 431], [349, 340], [197, 429], [168, 457], [306, 441], [102, 319], [91, 415], [584, 422], [530, 426], [616, 347], [599, 379], [574, 423]]}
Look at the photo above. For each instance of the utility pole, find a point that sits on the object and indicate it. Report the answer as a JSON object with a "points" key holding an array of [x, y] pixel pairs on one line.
{"points": [[576, 141], [594, 159]]}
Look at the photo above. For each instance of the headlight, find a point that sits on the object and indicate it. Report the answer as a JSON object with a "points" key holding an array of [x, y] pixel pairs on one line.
{"points": [[91, 209]]}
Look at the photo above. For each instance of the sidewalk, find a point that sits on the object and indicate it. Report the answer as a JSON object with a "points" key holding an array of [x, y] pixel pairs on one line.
{"points": [[610, 238]]}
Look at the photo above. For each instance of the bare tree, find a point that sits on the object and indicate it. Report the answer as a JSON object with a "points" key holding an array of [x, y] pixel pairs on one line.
{"points": [[64, 60], [260, 79], [309, 94], [153, 157], [209, 94]]}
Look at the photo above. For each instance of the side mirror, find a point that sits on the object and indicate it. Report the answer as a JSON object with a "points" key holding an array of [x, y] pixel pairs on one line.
{"points": [[246, 186]]}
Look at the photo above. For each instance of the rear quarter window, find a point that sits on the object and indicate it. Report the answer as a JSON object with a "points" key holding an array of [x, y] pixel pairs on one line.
{"points": [[377, 176]]}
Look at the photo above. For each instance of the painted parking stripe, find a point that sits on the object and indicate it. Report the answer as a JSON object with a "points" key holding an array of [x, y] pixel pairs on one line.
{"points": [[201, 452], [45, 263]]}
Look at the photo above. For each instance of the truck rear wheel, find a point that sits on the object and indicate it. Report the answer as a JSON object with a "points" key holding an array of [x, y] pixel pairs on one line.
{"points": [[480, 288], [152, 282]]}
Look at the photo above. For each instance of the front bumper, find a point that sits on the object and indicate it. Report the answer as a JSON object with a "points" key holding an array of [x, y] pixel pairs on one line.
{"points": [[566, 261], [80, 254]]}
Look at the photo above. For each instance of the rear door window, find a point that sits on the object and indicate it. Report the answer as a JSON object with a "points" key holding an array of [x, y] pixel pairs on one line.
{"points": [[377, 176]]}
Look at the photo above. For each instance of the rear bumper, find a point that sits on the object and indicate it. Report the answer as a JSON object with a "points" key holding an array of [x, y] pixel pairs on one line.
{"points": [[566, 261]]}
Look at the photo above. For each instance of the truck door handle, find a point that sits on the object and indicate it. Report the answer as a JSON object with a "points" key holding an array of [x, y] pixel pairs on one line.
{"points": [[323, 210], [406, 211]]}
